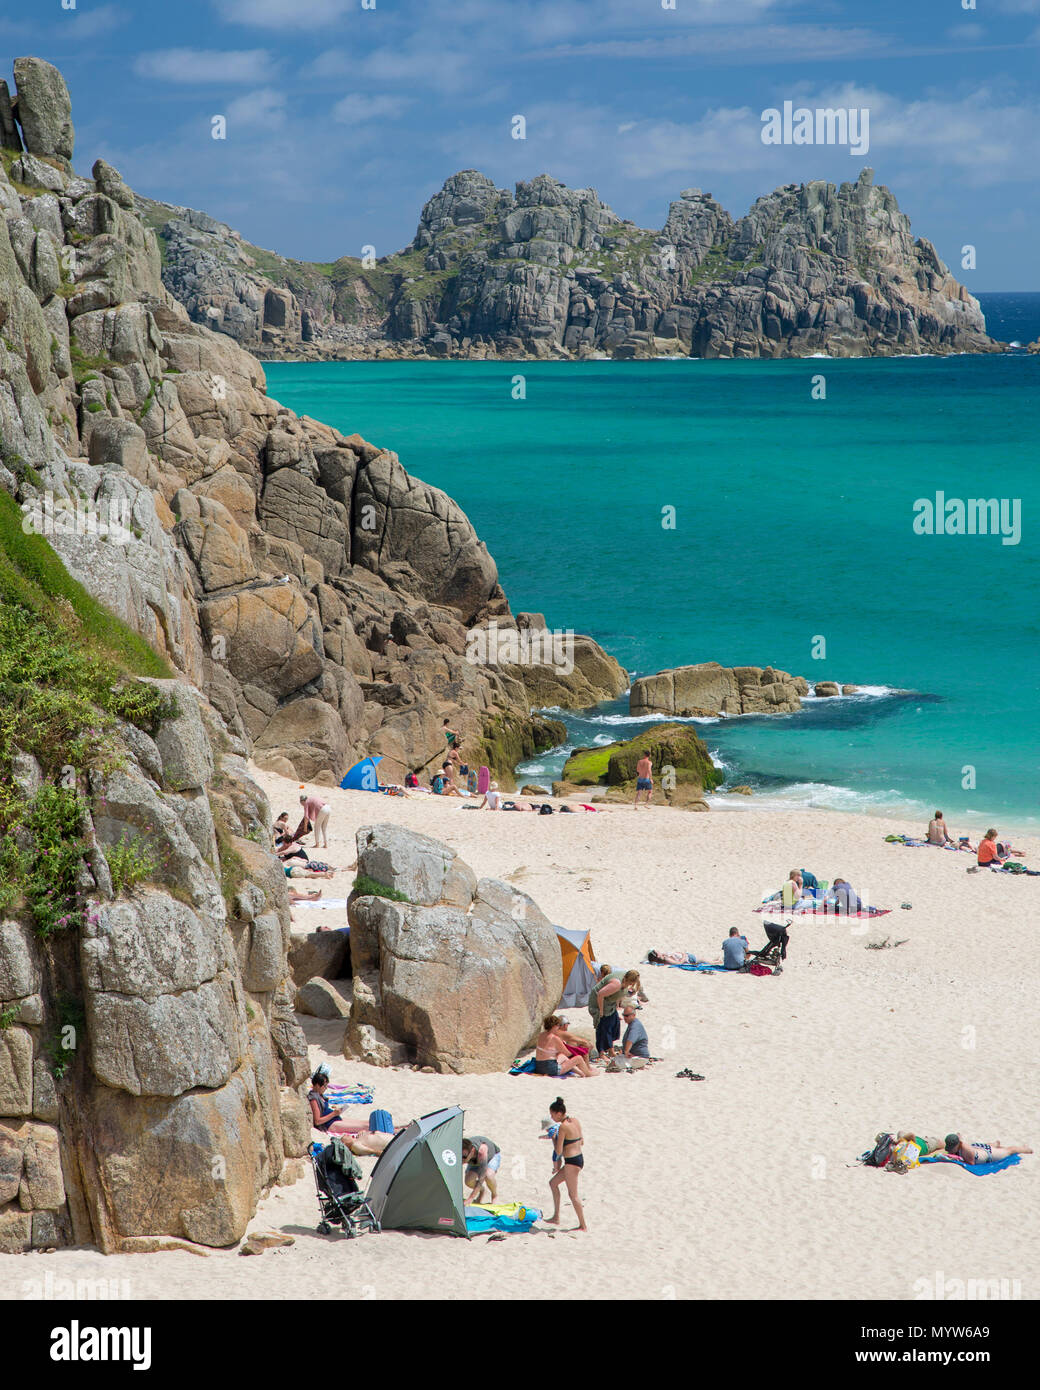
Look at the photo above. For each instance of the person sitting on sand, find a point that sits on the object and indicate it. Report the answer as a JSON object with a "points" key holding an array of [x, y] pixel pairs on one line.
{"points": [[492, 799], [644, 778], [551, 1057], [734, 950], [359, 1138], [448, 787], [846, 901], [792, 891], [482, 1158], [982, 1153], [938, 834], [568, 1160], [635, 1045], [990, 851]]}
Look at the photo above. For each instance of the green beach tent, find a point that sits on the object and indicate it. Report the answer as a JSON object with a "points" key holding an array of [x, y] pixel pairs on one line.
{"points": [[417, 1181]]}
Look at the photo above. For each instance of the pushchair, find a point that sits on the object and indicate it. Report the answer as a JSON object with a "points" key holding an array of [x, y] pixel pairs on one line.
{"points": [[775, 949], [336, 1178]]}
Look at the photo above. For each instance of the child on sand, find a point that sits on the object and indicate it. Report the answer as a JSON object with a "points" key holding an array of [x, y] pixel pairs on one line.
{"points": [[568, 1160]]}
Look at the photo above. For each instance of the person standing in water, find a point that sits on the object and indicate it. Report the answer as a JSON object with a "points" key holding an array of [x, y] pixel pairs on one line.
{"points": [[568, 1160], [644, 777]]}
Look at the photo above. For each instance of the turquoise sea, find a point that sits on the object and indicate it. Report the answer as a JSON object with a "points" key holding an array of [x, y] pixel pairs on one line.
{"points": [[793, 522]]}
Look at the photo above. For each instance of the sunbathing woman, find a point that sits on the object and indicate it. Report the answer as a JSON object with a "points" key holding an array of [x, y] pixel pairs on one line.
{"points": [[671, 958], [550, 1052], [328, 1118], [982, 1153]]}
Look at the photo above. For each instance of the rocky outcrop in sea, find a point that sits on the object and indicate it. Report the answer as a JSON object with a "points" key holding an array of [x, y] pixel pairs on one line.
{"points": [[550, 271]]}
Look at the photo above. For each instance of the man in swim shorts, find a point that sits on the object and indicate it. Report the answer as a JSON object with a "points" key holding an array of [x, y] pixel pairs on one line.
{"points": [[482, 1158], [644, 778]]}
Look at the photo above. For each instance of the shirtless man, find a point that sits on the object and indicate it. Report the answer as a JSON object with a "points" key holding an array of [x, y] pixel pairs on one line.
{"points": [[644, 778], [982, 1153]]}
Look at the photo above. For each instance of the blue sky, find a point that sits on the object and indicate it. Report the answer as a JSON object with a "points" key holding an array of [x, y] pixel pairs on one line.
{"points": [[342, 120]]}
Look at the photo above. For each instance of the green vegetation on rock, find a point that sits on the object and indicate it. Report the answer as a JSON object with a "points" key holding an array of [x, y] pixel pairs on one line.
{"points": [[366, 887], [670, 746], [68, 669]]}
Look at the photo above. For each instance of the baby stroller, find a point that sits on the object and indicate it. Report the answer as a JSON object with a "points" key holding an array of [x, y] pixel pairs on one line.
{"points": [[336, 1177], [775, 949]]}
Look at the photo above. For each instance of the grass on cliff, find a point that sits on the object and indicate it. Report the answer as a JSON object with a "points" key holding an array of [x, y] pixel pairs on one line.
{"points": [[68, 668]]}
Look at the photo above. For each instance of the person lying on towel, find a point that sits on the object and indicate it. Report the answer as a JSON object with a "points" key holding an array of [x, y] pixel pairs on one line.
{"points": [[981, 1153]]}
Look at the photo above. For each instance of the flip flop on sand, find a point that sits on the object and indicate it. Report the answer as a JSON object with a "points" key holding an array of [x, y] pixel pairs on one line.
{"points": [[694, 1076]]}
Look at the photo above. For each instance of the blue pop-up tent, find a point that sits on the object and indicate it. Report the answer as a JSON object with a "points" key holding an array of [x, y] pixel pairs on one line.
{"points": [[362, 777]]}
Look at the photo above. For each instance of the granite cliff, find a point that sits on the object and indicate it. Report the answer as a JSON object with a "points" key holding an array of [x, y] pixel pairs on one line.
{"points": [[189, 575], [552, 271]]}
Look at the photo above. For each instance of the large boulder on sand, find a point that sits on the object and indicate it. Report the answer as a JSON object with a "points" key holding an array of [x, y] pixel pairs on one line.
{"points": [[709, 689], [458, 985]]}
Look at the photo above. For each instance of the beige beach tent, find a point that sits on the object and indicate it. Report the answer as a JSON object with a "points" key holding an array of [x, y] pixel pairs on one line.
{"points": [[579, 972]]}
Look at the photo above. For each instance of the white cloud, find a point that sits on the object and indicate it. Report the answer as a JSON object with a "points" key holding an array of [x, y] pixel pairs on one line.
{"points": [[90, 23], [284, 14], [205, 65], [332, 63], [257, 111], [358, 110]]}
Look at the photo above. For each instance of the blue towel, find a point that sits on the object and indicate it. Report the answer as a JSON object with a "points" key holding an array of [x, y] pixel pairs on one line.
{"points": [[980, 1170], [703, 965], [381, 1122], [522, 1067]]}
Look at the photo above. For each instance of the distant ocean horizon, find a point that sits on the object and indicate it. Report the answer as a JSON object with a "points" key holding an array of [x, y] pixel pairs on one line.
{"points": [[794, 521]]}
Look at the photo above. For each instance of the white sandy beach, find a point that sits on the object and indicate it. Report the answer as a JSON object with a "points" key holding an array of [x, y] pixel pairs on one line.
{"points": [[740, 1186]]}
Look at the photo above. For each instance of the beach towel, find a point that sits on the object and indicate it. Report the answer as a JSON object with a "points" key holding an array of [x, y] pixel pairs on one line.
{"points": [[703, 965], [510, 1217], [823, 910], [324, 902], [980, 1170], [527, 1069], [349, 1095]]}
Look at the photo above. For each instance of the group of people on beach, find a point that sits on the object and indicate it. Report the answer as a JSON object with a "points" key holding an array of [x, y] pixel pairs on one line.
{"points": [[481, 1156], [991, 852]]}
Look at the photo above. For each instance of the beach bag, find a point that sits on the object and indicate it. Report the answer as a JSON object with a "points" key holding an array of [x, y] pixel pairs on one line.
{"points": [[381, 1122], [880, 1154], [905, 1155]]}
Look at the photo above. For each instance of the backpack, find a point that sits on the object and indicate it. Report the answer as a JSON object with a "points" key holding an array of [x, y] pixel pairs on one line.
{"points": [[880, 1154]]}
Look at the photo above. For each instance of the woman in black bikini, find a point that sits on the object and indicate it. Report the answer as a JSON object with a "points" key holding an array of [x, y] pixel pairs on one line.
{"points": [[569, 1161]]}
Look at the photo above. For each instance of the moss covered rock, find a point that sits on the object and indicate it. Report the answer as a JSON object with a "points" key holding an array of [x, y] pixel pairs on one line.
{"points": [[508, 739], [672, 746]]}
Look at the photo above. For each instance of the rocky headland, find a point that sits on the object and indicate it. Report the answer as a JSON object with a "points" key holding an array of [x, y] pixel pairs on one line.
{"points": [[551, 271]]}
